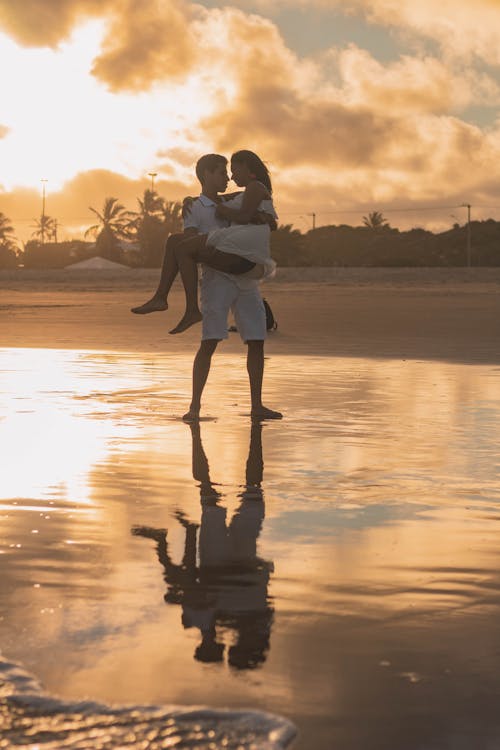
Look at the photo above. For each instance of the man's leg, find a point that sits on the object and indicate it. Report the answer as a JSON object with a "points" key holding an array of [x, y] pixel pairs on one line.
{"points": [[169, 270], [201, 368], [255, 368]]}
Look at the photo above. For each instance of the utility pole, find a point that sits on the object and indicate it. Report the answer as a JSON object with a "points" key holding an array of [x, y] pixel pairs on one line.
{"points": [[42, 223], [469, 248], [153, 175], [313, 219]]}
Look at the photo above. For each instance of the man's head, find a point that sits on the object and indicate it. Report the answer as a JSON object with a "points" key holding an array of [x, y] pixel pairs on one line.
{"points": [[211, 170]]}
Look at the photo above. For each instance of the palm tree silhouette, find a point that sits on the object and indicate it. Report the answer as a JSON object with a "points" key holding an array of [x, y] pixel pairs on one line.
{"points": [[155, 220], [115, 223], [375, 220], [172, 216], [6, 231], [45, 228], [8, 243]]}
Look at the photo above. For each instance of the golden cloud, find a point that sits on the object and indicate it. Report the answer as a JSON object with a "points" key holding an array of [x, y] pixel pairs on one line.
{"points": [[4, 131], [147, 42], [45, 23], [338, 129], [461, 27]]}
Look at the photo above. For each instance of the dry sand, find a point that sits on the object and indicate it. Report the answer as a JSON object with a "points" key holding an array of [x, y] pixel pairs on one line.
{"points": [[400, 313]]}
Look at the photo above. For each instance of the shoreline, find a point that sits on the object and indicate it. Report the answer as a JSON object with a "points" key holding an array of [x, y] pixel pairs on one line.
{"points": [[427, 313], [338, 275]]}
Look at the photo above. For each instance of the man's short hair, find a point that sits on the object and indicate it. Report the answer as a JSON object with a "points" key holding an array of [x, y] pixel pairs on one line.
{"points": [[209, 163]]}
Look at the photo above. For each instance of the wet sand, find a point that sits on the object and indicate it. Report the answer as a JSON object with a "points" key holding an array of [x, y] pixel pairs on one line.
{"points": [[402, 313], [339, 568]]}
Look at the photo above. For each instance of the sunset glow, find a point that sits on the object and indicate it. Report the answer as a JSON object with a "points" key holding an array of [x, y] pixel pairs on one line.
{"points": [[355, 106]]}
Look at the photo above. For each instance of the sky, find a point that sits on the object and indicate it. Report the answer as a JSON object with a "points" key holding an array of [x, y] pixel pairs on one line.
{"points": [[354, 105]]}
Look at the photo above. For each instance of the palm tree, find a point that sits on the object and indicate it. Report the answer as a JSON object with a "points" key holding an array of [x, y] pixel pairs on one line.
{"points": [[375, 220], [8, 243], [172, 216], [45, 228], [6, 231], [152, 223], [114, 224]]}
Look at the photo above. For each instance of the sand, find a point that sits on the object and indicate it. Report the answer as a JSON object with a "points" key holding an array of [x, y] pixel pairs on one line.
{"points": [[350, 563], [449, 314]]}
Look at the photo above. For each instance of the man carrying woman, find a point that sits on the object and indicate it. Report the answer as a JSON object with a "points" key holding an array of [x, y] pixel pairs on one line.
{"points": [[233, 258]]}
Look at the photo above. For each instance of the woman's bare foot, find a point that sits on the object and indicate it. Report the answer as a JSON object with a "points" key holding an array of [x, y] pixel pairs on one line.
{"points": [[187, 321], [262, 412], [155, 304]]}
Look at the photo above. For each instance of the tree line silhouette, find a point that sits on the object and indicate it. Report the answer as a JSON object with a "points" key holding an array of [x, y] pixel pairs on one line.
{"points": [[137, 238]]}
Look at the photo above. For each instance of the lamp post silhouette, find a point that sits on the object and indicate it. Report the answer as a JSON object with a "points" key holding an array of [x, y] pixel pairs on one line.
{"points": [[469, 249], [153, 175], [42, 223]]}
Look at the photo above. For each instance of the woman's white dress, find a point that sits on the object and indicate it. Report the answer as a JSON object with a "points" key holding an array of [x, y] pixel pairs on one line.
{"points": [[251, 241]]}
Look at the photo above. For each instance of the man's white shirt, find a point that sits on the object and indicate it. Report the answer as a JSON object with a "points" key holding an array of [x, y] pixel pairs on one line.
{"points": [[202, 216]]}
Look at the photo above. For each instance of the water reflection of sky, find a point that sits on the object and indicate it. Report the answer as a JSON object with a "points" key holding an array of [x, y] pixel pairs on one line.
{"points": [[361, 569]]}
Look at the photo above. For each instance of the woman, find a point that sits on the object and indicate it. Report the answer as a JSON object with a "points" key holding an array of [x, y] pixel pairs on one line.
{"points": [[242, 249]]}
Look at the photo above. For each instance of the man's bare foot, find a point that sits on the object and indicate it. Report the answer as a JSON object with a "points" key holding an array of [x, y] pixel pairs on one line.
{"points": [[155, 304], [187, 321], [264, 413], [193, 415]]}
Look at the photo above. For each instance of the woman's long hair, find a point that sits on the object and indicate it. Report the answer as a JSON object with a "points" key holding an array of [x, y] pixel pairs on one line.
{"points": [[255, 165]]}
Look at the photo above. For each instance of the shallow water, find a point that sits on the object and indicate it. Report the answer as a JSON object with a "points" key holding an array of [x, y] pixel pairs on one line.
{"points": [[339, 569]]}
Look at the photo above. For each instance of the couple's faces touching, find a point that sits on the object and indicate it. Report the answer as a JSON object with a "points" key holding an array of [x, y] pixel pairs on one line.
{"points": [[219, 178]]}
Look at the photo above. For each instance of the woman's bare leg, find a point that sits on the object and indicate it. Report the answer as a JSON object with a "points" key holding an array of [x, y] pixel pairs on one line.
{"points": [[189, 253], [169, 270]]}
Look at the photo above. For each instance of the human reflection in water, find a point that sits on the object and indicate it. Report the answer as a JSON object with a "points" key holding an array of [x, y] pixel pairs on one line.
{"points": [[228, 592]]}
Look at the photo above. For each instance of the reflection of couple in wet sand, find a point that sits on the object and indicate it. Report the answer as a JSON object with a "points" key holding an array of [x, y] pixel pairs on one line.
{"points": [[228, 590], [230, 237]]}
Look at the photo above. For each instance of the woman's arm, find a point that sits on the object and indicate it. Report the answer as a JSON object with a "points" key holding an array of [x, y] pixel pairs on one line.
{"points": [[230, 196], [253, 196]]}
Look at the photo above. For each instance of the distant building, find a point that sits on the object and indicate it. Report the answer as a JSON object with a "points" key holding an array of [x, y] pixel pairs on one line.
{"points": [[98, 264]]}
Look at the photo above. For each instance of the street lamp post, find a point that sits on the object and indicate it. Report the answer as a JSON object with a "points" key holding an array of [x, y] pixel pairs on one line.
{"points": [[153, 175], [469, 248], [42, 226]]}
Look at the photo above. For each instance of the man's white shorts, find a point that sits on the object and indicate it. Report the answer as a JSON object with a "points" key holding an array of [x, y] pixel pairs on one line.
{"points": [[219, 294]]}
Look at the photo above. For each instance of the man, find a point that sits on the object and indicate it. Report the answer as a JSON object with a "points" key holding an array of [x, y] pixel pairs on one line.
{"points": [[220, 292]]}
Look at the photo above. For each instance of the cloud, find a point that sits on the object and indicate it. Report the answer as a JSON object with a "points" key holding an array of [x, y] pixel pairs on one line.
{"points": [[461, 27], [147, 42], [337, 129], [45, 23], [4, 131], [412, 83]]}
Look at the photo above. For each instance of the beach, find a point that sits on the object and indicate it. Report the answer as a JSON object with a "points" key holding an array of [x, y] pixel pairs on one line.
{"points": [[335, 572], [406, 313]]}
